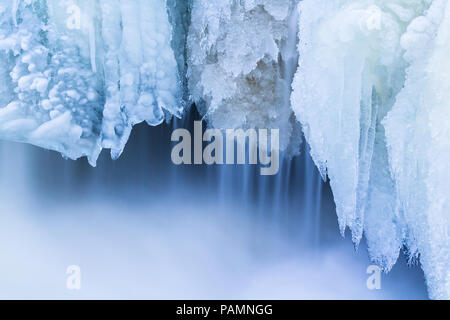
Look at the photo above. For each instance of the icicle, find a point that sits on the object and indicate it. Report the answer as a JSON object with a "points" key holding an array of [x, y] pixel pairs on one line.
{"points": [[92, 46]]}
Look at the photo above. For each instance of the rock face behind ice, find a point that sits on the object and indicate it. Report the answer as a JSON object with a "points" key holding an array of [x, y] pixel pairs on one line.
{"points": [[371, 93], [78, 75]]}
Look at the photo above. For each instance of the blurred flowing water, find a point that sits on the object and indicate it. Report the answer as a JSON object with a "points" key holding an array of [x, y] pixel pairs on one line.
{"points": [[141, 227]]}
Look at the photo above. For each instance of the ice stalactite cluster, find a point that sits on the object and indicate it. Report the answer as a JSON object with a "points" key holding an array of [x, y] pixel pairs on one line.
{"points": [[350, 70], [372, 93], [141, 71], [81, 73], [53, 98], [418, 138]]}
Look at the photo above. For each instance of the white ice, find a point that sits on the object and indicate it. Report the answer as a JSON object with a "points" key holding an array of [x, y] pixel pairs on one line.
{"points": [[77, 75], [237, 52], [418, 137], [371, 93]]}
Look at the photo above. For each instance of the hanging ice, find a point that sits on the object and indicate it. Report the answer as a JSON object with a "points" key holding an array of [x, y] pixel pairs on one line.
{"points": [[351, 69], [141, 72], [240, 57], [78, 75], [418, 136]]}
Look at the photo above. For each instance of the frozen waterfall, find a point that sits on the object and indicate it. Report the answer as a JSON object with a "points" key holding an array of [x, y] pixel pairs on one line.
{"points": [[366, 82]]}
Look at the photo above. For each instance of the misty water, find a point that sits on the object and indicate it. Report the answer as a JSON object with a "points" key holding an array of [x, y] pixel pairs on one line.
{"points": [[141, 227]]}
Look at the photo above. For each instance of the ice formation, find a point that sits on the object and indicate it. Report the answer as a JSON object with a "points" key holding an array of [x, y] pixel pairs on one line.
{"points": [[78, 75], [240, 56], [418, 137], [372, 94]]}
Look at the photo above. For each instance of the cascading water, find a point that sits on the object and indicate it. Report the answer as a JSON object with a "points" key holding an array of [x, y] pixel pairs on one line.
{"points": [[132, 223]]}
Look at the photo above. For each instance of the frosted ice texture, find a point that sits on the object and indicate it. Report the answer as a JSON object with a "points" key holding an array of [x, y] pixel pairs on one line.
{"points": [[358, 61], [372, 94], [237, 51], [418, 138]]}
